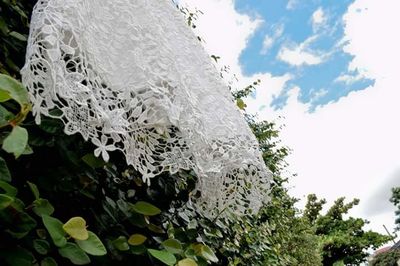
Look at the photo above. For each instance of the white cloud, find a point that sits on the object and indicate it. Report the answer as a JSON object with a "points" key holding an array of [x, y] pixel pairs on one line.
{"points": [[349, 79], [301, 54], [373, 37], [318, 19], [291, 4], [269, 40], [225, 31], [346, 148]]}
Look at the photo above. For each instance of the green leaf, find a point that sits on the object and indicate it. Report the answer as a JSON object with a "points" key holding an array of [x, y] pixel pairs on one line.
{"points": [[21, 222], [136, 239], [5, 201], [8, 189], [34, 190], [172, 245], [16, 142], [205, 252], [92, 245], [93, 161], [4, 96], [55, 229], [145, 208], [18, 36], [48, 261], [163, 256], [4, 172], [121, 243], [41, 246], [76, 228], [5, 116], [15, 89], [75, 254], [17, 257], [240, 103], [138, 250], [156, 229], [187, 262], [42, 207]]}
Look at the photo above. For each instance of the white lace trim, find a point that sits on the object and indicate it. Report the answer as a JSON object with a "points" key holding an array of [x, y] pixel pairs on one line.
{"points": [[131, 76]]}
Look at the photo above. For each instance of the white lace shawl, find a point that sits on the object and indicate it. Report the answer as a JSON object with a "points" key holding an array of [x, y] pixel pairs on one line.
{"points": [[131, 76]]}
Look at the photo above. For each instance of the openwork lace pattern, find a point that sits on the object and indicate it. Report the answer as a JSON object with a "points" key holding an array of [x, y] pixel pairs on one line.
{"points": [[131, 76]]}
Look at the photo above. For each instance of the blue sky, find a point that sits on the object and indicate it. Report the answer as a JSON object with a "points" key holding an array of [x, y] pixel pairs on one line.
{"points": [[288, 25], [330, 72]]}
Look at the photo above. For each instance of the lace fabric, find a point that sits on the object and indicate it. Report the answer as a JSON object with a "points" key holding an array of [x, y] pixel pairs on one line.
{"points": [[131, 76]]}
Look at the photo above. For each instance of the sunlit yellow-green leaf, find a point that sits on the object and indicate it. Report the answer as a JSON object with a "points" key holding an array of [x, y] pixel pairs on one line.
{"points": [[187, 262], [136, 239], [76, 228]]}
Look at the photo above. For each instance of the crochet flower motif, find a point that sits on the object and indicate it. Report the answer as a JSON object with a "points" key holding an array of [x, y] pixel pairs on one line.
{"points": [[103, 148]]}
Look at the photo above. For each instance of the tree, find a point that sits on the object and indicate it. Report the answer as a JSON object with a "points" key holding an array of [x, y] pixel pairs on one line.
{"points": [[387, 258], [395, 199], [342, 239]]}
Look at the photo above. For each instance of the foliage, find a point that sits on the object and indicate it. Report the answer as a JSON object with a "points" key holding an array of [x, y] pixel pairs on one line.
{"points": [[387, 258], [342, 239], [395, 199]]}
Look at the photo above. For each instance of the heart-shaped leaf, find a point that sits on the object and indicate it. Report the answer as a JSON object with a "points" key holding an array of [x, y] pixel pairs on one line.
{"points": [[92, 245], [136, 239], [76, 228]]}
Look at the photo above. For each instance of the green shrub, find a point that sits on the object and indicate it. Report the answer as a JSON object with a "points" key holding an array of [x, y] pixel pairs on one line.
{"points": [[388, 258]]}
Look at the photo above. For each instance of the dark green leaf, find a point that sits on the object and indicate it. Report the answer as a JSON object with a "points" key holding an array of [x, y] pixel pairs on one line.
{"points": [[48, 261], [121, 243], [41, 246], [4, 172], [163, 256], [145, 208], [138, 250], [5, 201], [34, 190], [93, 161], [74, 253], [7, 189], [17, 257]]}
